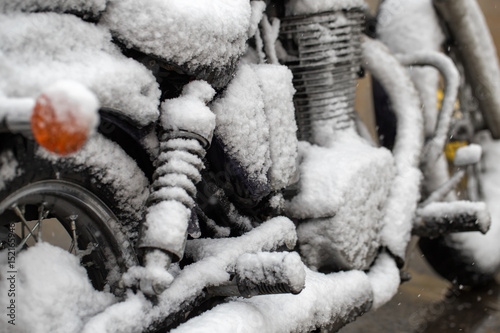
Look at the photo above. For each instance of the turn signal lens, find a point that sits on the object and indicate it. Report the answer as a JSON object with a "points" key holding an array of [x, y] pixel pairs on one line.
{"points": [[63, 117]]}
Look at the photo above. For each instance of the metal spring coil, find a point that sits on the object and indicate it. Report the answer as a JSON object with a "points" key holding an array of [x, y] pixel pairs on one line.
{"points": [[178, 170], [325, 57]]}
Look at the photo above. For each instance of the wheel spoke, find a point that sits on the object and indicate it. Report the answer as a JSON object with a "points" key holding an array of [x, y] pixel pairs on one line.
{"points": [[73, 219], [20, 214], [74, 245], [25, 239], [42, 215], [23, 233]]}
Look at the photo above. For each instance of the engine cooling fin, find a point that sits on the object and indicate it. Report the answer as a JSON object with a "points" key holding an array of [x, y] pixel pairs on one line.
{"points": [[324, 55]]}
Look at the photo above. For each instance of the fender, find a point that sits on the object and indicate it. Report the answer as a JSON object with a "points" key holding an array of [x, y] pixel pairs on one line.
{"points": [[123, 130]]}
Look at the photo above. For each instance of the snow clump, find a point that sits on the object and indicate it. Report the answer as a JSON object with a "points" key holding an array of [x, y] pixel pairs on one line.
{"points": [[53, 292]]}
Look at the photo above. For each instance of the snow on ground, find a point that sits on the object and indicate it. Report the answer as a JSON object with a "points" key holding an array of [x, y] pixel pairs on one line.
{"points": [[52, 292]]}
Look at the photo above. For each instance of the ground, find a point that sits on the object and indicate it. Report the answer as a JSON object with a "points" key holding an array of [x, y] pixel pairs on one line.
{"points": [[429, 304]]}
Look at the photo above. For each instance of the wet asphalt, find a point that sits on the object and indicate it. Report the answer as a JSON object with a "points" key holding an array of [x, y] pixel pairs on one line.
{"points": [[430, 304]]}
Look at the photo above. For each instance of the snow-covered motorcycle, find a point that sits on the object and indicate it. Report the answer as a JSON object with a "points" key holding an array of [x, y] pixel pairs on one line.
{"points": [[227, 145]]}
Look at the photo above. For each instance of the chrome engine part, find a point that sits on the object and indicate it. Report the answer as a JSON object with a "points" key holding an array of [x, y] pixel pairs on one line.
{"points": [[324, 55]]}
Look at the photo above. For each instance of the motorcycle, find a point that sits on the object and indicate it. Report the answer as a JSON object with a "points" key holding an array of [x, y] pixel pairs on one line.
{"points": [[229, 185]]}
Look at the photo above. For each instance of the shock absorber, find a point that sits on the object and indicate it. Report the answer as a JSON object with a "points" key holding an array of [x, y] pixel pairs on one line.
{"points": [[324, 55], [187, 126]]}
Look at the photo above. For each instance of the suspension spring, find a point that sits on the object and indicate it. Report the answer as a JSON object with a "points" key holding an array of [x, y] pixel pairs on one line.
{"points": [[177, 171], [324, 55]]}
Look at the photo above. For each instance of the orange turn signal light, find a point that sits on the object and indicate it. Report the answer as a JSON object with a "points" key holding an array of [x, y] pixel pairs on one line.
{"points": [[62, 123]]}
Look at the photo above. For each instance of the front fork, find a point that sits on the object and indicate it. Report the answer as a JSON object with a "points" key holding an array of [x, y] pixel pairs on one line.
{"points": [[476, 49]]}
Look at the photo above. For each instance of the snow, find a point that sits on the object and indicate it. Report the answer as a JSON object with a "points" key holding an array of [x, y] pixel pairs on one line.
{"points": [[196, 34], [301, 7], [165, 227], [270, 33], [384, 279], [412, 26], [258, 8], [272, 269], [255, 120], [405, 189], [341, 293], [436, 210], [152, 277], [189, 112], [348, 194], [437, 140], [40, 49], [484, 250], [15, 113], [241, 221], [8, 167], [129, 316], [213, 259], [468, 155], [242, 123], [84, 6], [342, 188], [179, 163], [114, 169], [478, 55], [71, 100], [276, 84], [445, 189], [53, 293]]}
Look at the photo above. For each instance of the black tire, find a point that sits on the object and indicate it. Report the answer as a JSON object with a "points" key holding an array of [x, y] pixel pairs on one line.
{"points": [[100, 189]]}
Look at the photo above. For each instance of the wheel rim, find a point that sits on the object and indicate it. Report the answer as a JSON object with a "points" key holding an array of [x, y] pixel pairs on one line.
{"points": [[90, 227]]}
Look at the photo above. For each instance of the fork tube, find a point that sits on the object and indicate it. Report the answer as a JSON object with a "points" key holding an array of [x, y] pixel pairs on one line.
{"points": [[475, 46]]}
